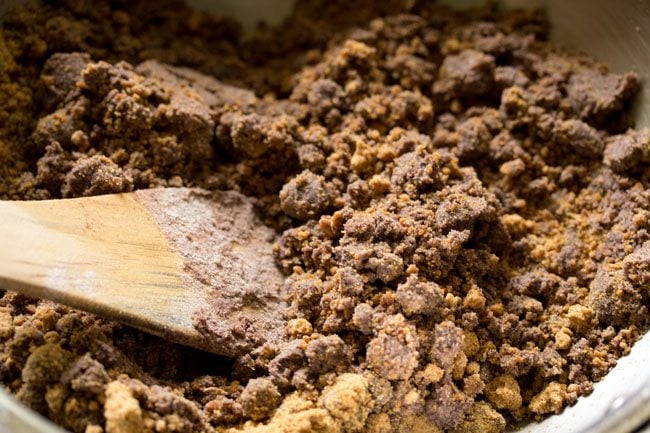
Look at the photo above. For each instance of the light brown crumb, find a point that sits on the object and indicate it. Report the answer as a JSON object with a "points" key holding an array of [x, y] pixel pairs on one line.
{"points": [[432, 373], [299, 327], [550, 400], [563, 339], [6, 323], [474, 299], [348, 401], [579, 317], [122, 411], [504, 393]]}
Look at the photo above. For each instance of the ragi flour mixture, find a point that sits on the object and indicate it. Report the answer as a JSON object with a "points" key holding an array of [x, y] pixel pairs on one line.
{"points": [[460, 211]]}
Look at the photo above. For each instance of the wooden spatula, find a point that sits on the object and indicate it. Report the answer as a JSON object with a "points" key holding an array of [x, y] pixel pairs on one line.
{"points": [[188, 265]]}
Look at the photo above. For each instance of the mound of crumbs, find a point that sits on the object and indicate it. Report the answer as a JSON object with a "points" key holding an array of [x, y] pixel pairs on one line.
{"points": [[459, 209]]}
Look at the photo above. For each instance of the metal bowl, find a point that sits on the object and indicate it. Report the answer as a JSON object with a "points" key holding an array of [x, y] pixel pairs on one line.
{"points": [[617, 33]]}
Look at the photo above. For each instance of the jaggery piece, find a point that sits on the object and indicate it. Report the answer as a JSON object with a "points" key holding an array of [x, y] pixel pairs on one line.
{"points": [[503, 392], [122, 411], [347, 401], [550, 400]]}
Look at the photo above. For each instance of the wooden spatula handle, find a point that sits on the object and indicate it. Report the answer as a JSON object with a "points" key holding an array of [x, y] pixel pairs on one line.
{"points": [[102, 254]]}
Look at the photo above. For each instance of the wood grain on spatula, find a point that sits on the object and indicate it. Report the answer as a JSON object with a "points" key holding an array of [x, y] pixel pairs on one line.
{"points": [[188, 265]]}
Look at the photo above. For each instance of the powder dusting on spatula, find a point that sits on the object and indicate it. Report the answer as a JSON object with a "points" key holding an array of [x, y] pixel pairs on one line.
{"points": [[228, 252]]}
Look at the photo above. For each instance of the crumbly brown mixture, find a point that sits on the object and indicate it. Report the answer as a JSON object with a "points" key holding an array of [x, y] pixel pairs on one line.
{"points": [[462, 213]]}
